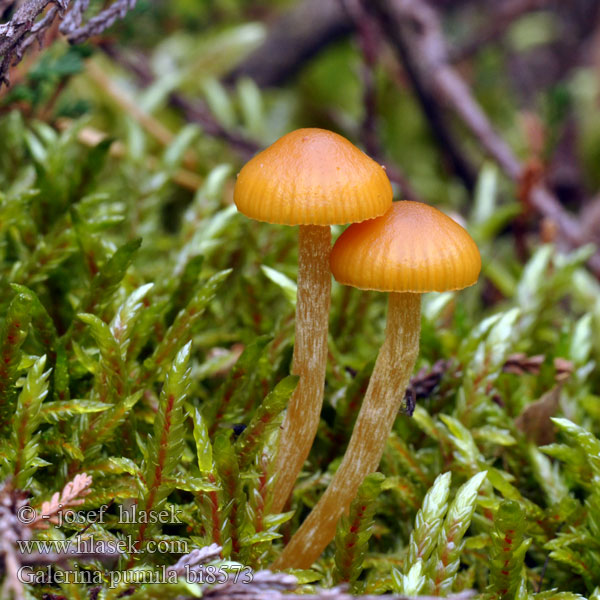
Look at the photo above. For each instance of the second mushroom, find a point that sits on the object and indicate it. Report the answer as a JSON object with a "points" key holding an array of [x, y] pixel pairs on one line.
{"points": [[412, 249]]}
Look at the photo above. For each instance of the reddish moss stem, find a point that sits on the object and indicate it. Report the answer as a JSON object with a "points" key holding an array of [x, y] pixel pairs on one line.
{"points": [[159, 469]]}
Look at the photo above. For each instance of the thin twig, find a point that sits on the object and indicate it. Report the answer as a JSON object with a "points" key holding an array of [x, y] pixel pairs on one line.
{"points": [[23, 29], [33, 19], [368, 38], [197, 112], [77, 33], [415, 65], [367, 31]]}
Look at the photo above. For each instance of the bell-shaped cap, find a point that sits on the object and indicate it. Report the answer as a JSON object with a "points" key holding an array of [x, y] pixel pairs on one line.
{"points": [[312, 177], [412, 248]]}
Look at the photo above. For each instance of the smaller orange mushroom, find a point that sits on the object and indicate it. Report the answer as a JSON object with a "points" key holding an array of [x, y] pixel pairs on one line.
{"points": [[412, 249]]}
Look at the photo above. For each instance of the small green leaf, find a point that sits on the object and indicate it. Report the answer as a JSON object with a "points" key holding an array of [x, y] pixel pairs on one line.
{"points": [[264, 420], [52, 412], [203, 444], [285, 283]]}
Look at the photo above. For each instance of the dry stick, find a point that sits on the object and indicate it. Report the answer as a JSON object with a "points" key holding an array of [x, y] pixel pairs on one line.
{"points": [[413, 29], [291, 41], [310, 359], [198, 112], [296, 36], [20, 68], [459, 161], [368, 42], [77, 33], [387, 385], [32, 19], [368, 37], [27, 25], [424, 59]]}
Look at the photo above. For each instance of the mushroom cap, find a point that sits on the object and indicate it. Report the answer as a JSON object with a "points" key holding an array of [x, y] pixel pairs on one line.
{"points": [[312, 177], [412, 248]]}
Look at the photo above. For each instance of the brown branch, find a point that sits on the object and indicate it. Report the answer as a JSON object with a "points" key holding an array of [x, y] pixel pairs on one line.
{"points": [[413, 29], [77, 33], [415, 66], [298, 35], [33, 19], [153, 126], [194, 113], [368, 34], [303, 32], [197, 112], [23, 29]]}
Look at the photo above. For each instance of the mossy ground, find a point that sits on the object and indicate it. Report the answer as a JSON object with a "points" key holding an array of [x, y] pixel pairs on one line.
{"points": [[144, 322]]}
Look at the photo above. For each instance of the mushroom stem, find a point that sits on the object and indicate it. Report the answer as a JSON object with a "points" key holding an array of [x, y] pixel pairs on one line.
{"points": [[395, 363], [310, 359]]}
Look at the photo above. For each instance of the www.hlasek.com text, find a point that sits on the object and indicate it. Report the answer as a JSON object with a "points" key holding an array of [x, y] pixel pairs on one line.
{"points": [[89, 545]]}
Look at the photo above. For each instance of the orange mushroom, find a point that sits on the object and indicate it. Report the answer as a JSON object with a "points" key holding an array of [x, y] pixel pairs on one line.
{"points": [[412, 249], [312, 178]]}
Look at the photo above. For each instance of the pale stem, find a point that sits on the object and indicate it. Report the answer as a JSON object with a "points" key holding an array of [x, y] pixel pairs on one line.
{"points": [[310, 359], [391, 374]]}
